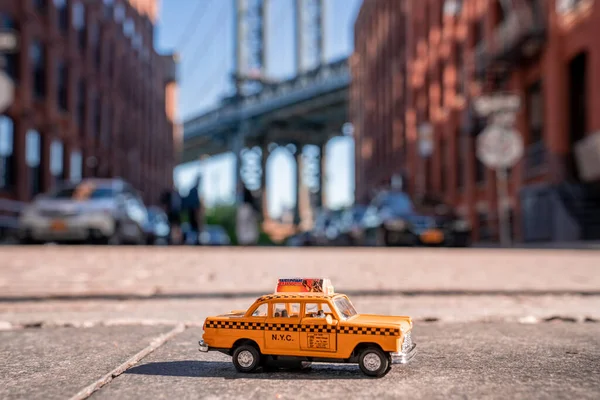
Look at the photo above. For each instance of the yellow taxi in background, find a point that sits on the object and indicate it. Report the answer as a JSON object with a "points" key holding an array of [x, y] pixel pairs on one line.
{"points": [[306, 321]]}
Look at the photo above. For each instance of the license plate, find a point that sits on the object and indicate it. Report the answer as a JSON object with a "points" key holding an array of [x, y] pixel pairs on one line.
{"points": [[433, 236], [58, 226]]}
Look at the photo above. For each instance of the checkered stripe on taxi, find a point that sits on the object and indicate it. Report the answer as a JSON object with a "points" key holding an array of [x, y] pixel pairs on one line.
{"points": [[365, 330], [291, 296], [252, 326], [261, 326], [317, 329]]}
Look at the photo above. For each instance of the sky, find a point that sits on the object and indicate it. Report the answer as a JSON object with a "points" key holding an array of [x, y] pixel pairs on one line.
{"points": [[206, 53]]}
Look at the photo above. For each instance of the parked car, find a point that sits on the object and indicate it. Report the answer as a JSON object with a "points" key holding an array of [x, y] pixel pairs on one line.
{"points": [[301, 239], [106, 211], [326, 228], [157, 226], [350, 226], [394, 219], [214, 235]]}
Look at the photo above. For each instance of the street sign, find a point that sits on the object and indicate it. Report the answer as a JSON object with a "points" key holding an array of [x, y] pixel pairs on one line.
{"points": [[498, 147], [498, 102], [9, 41], [7, 91]]}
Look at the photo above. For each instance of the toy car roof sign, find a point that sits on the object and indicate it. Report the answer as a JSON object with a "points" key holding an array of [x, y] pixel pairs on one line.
{"points": [[304, 285]]}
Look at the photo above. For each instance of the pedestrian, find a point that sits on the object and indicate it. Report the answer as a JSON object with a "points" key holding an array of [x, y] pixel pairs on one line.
{"points": [[172, 204], [195, 210], [247, 229]]}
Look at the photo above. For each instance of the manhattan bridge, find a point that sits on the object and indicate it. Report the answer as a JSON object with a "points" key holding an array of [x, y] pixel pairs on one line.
{"points": [[301, 114]]}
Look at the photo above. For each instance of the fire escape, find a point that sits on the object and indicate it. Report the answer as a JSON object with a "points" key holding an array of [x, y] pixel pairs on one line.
{"points": [[517, 40]]}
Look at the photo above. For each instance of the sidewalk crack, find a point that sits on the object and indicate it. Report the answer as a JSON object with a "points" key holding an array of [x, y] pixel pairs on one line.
{"points": [[155, 344]]}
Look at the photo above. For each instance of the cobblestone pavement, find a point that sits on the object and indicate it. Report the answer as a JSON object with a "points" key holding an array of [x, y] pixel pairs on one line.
{"points": [[144, 271], [124, 323]]}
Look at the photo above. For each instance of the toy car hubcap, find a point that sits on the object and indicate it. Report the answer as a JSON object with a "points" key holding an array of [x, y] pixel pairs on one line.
{"points": [[372, 362], [245, 358]]}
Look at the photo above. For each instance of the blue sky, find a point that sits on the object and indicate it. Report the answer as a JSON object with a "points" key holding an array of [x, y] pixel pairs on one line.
{"points": [[207, 60]]}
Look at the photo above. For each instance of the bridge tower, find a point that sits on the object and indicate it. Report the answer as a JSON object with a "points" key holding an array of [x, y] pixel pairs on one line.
{"points": [[251, 75]]}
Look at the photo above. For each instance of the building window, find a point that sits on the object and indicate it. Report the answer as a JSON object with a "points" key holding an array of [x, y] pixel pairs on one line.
{"points": [[56, 161], [33, 156], [460, 159], [63, 14], [81, 101], [107, 126], [461, 70], [39, 70], [40, 6], [97, 115], [452, 7], [478, 32], [128, 28], [79, 23], [108, 8], [63, 85], [96, 45], [119, 12], [76, 166], [535, 116], [445, 167], [11, 59], [441, 83], [7, 136], [535, 110], [500, 12]]}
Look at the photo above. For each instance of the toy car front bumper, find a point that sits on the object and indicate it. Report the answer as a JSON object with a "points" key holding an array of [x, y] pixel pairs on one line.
{"points": [[203, 347], [404, 357]]}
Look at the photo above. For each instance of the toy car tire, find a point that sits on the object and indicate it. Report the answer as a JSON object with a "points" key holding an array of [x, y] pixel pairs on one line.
{"points": [[246, 358], [374, 362]]}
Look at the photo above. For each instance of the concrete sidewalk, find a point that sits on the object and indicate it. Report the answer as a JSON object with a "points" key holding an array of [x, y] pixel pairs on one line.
{"points": [[454, 361], [123, 323], [46, 271]]}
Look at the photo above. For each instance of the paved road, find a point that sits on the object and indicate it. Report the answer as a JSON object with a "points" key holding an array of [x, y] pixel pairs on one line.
{"points": [[479, 360], [144, 271]]}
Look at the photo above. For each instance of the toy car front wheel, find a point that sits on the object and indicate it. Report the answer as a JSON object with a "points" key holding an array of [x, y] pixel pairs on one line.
{"points": [[246, 358], [374, 362]]}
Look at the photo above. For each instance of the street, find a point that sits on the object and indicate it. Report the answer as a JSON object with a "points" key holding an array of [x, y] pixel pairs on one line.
{"points": [[122, 323]]}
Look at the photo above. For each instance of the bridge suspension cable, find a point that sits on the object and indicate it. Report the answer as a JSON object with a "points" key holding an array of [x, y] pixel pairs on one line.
{"points": [[207, 43], [193, 24]]}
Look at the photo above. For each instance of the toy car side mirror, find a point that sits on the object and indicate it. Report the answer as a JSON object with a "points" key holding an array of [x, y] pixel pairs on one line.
{"points": [[330, 320]]}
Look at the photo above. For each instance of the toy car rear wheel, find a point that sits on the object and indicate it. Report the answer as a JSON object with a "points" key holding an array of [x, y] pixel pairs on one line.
{"points": [[246, 358], [374, 362]]}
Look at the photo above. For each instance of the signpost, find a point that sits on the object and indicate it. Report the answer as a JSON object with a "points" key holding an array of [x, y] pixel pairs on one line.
{"points": [[500, 147]]}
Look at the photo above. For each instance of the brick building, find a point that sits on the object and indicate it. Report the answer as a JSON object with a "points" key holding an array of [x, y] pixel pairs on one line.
{"points": [[377, 95], [92, 97], [544, 51]]}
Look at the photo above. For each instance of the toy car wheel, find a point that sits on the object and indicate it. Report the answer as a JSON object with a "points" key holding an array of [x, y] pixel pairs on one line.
{"points": [[246, 358], [374, 362]]}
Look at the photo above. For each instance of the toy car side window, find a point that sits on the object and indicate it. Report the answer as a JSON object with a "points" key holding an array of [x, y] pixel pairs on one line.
{"points": [[286, 310], [261, 311], [313, 310]]}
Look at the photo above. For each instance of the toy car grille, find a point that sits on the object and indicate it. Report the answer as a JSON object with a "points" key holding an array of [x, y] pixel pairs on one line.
{"points": [[407, 342]]}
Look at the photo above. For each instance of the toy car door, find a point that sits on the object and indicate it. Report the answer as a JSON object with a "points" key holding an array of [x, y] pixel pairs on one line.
{"points": [[318, 329], [282, 328]]}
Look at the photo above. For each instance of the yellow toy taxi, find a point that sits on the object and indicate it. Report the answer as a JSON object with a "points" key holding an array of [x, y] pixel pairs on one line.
{"points": [[306, 321]]}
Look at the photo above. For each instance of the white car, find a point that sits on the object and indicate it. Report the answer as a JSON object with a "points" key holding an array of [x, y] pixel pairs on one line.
{"points": [[106, 211]]}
